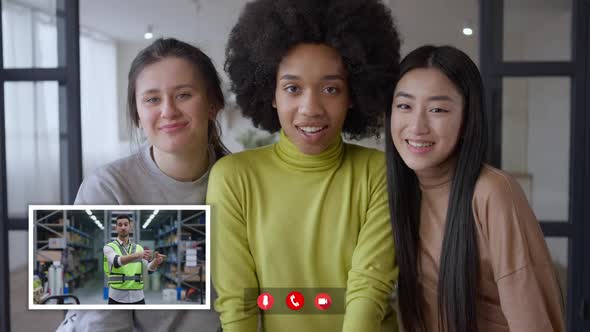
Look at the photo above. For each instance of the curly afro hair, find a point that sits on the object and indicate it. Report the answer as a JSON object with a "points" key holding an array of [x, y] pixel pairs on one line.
{"points": [[362, 31]]}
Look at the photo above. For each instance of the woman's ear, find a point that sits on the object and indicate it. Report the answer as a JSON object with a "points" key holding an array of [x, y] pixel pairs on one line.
{"points": [[212, 114], [274, 103]]}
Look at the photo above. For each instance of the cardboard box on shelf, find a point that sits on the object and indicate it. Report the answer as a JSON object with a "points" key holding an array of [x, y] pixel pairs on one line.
{"points": [[48, 255], [169, 295], [191, 269], [75, 238], [194, 273], [57, 243], [58, 221], [192, 277], [191, 257]]}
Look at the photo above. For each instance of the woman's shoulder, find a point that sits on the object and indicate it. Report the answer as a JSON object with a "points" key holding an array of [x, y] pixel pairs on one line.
{"points": [[500, 203], [371, 157], [106, 183], [120, 168], [363, 152], [496, 183]]}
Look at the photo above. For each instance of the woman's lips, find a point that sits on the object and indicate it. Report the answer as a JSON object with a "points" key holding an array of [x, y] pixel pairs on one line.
{"points": [[172, 127], [312, 134], [419, 147]]}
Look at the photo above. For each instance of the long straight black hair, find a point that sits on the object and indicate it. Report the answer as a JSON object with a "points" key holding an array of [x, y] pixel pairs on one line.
{"points": [[459, 261]]}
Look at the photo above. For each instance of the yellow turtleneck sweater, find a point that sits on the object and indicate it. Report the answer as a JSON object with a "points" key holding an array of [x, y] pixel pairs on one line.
{"points": [[284, 221]]}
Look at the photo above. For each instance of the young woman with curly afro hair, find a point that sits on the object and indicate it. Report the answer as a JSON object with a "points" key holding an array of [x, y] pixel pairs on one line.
{"points": [[308, 214]]}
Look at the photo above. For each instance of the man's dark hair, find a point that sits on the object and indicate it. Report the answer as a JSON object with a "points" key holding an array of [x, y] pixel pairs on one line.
{"points": [[123, 216]]}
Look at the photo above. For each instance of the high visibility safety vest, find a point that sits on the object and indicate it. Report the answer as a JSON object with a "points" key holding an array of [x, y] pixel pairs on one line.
{"points": [[128, 276]]}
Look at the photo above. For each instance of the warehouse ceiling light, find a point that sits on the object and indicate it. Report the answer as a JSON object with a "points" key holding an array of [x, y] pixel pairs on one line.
{"points": [[152, 216], [99, 224], [147, 222], [93, 217]]}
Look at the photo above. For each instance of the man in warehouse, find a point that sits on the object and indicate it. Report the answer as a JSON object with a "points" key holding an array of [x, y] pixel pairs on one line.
{"points": [[124, 262]]}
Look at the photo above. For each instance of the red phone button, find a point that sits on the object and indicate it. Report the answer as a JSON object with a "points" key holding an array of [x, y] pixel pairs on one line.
{"points": [[295, 301]]}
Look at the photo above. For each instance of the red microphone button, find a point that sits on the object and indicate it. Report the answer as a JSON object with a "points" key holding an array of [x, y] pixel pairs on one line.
{"points": [[265, 301]]}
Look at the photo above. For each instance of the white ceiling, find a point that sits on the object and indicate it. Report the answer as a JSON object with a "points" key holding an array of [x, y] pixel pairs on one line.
{"points": [[419, 21], [203, 20], [207, 23]]}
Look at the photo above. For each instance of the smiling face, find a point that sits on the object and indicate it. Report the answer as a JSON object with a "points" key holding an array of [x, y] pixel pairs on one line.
{"points": [[172, 105], [312, 97], [426, 119]]}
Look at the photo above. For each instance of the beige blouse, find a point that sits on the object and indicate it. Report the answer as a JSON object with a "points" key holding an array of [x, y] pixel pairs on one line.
{"points": [[518, 289]]}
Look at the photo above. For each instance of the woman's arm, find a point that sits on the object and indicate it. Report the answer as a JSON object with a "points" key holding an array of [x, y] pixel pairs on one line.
{"points": [[232, 263], [527, 285], [371, 278]]}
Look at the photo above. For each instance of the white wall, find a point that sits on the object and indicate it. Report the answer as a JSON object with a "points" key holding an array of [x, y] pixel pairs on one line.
{"points": [[126, 52], [100, 133], [19, 249], [548, 153]]}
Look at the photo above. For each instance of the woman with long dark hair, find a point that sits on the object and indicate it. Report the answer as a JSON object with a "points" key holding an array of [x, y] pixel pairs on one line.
{"points": [[471, 254]]}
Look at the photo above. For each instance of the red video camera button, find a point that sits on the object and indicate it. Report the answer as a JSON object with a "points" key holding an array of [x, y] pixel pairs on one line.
{"points": [[323, 301]]}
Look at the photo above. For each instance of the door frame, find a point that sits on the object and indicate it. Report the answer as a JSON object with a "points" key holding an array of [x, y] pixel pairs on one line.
{"points": [[67, 74], [493, 69]]}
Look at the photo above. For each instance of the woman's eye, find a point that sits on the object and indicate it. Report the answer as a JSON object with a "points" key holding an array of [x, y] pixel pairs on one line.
{"points": [[403, 106], [331, 90], [291, 89], [183, 96], [152, 100], [438, 110]]}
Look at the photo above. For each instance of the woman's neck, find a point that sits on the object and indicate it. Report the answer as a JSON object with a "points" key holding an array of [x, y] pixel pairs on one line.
{"points": [[438, 175], [185, 167]]}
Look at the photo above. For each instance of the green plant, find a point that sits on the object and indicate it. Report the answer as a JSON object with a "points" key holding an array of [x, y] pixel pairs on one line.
{"points": [[252, 139]]}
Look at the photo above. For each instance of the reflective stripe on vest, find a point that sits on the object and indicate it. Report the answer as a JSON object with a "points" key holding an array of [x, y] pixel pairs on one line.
{"points": [[129, 276], [119, 279]]}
